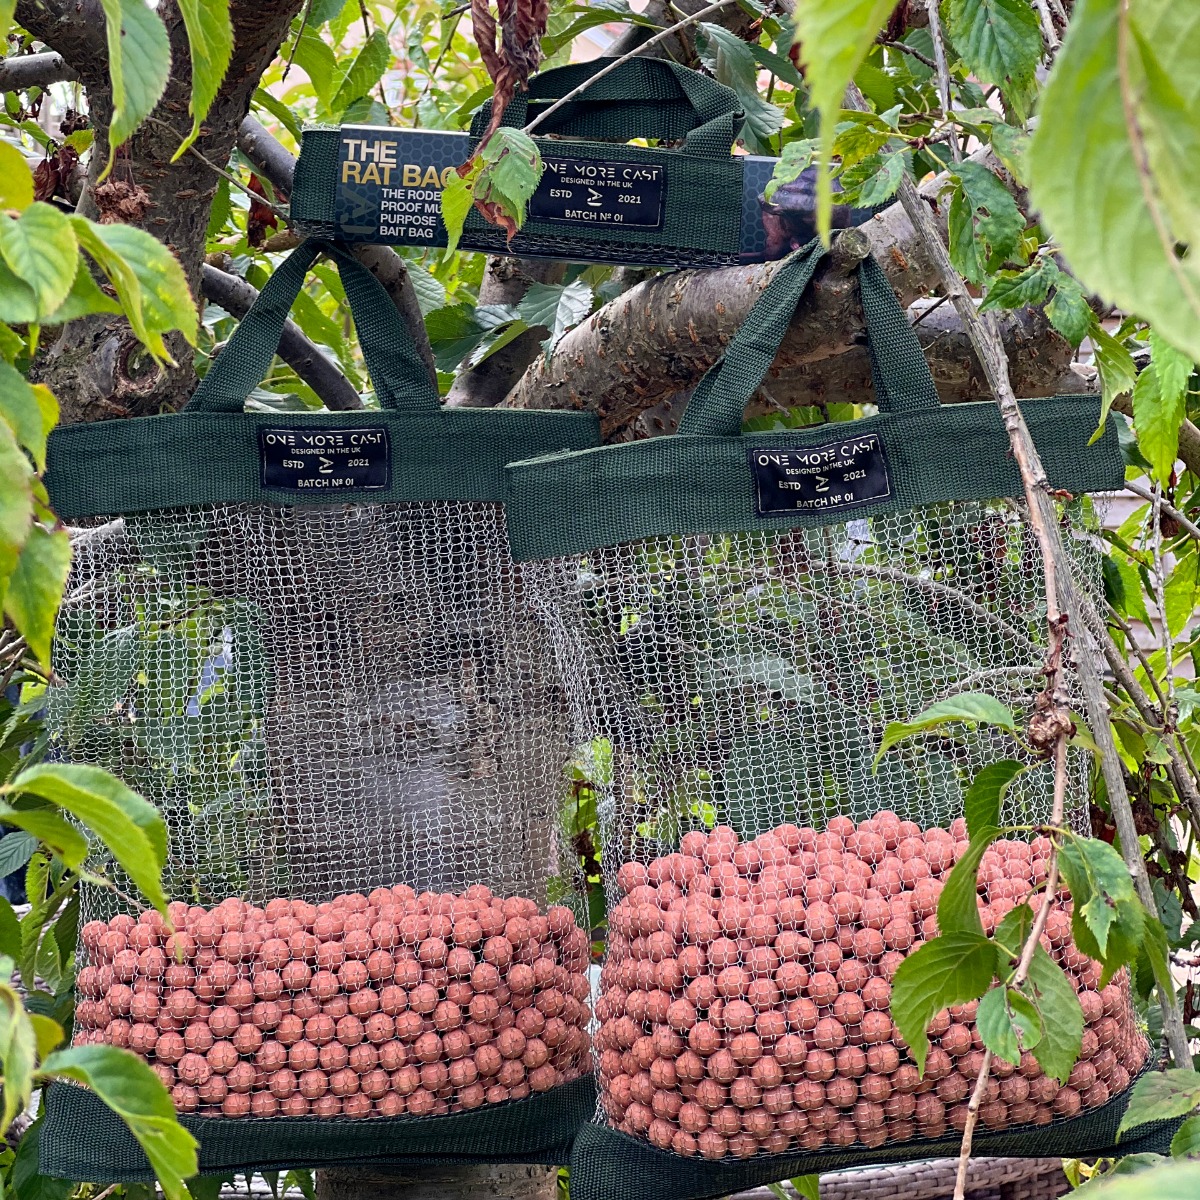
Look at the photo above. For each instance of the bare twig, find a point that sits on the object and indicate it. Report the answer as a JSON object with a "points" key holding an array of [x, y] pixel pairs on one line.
{"points": [[1049, 33], [321, 374], [34, 70], [905, 48], [638, 51], [943, 75], [1182, 519], [1135, 646], [1160, 601]]}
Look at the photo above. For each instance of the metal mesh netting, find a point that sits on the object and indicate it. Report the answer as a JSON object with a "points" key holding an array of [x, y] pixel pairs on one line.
{"points": [[351, 725], [765, 875]]}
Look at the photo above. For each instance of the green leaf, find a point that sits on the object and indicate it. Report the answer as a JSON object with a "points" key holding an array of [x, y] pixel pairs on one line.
{"points": [[39, 247], [16, 502], [16, 849], [131, 828], [999, 40], [1068, 311], [21, 407], [807, 1187], [983, 217], [957, 909], [1186, 1142], [1160, 406], [16, 179], [733, 63], [985, 796], [10, 927], [796, 158], [1021, 289], [431, 292], [84, 298], [18, 1055], [1118, 374], [1118, 225], [975, 708], [210, 39], [35, 587], [1161, 1095], [148, 279], [58, 835], [1181, 592], [132, 1090], [555, 308], [834, 36], [48, 961], [876, 179], [457, 198], [27, 1181], [951, 969], [1054, 994], [139, 63], [363, 73], [1008, 1023], [512, 168]]}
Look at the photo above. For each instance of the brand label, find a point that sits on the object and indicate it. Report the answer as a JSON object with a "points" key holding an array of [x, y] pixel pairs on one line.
{"points": [[309, 459], [820, 478], [599, 192]]}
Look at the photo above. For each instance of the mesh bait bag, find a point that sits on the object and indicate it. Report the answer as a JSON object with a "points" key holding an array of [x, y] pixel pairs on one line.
{"points": [[598, 201], [302, 637], [737, 618]]}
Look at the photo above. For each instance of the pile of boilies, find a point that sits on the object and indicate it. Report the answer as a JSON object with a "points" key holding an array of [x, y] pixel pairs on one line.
{"points": [[746, 994], [377, 1005]]}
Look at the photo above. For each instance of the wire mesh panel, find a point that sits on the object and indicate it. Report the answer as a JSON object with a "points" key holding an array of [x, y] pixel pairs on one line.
{"points": [[305, 641], [738, 619]]}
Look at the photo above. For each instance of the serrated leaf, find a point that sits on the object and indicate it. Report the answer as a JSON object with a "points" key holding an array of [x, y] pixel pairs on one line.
{"points": [[21, 408], [130, 1088], [1159, 1096], [984, 221], [16, 179], [985, 796], [210, 40], [39, 247], [10, 927], [84, 298], [131, 828], [1004, 1012], [1021, 289], [1186, 1142], [48, 961], [1054, 994], [55, 833], [1119, 226], [431, 292], [733, 63], [974, 708], [834, 37], [876, 180], [139, 64], [16, 502], [512, 169], [999, 40], [556, 308], [363, 73], [1181, 593], [957, 909], [35, 587], [1118, 374], [951, 969], [457, 198], [1068, 310], [1160, 406], [18, 1055]]}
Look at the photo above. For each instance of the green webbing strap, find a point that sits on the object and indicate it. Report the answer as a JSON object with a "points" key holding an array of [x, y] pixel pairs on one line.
{"points": [[902, 379], [396, 369], [643, 98]]}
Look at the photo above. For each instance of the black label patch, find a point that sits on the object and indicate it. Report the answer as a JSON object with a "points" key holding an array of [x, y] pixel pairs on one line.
{"points": [[820, 478], [306, 458], [597, 192]]}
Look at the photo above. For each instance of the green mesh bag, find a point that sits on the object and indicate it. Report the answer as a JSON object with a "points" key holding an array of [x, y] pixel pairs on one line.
{"points": [[687, 202], [737, 618], [302, 637]]}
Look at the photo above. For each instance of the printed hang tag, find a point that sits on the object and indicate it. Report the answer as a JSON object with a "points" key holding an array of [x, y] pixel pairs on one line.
{"points": [[594, 191], [823, 478], [309, 458]]}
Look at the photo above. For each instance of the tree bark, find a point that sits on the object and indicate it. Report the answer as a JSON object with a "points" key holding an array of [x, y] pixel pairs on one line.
{"points": [[96, 368], [33, 70]]}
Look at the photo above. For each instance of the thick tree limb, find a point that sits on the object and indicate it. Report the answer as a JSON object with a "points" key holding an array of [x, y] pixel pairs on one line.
{"points": [[74, 29], [316, 368], [34, 70], [278, 166]]}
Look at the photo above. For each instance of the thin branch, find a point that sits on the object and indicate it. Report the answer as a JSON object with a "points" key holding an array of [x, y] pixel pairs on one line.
{"points": [[321, 374], [270, 157], [1135, 646], [943, 75], [34, 70], [1184, 521], [905, 48], [1160, 601], [1049, 33], [662, 36]]}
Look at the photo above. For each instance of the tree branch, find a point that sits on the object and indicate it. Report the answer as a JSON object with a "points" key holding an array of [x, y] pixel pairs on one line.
{"points": [[274, 162], [236, 297], [74, 29], [34, 70]]}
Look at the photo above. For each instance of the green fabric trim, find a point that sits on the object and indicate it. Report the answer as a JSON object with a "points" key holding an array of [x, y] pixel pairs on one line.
{"points": [[609, 1165], [565, 504], [170, 461], [86, 1141]]}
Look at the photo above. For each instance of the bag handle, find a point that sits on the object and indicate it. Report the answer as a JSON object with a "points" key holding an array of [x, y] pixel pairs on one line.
{"points": [[396, 369], [900, 373], [644, 97]]}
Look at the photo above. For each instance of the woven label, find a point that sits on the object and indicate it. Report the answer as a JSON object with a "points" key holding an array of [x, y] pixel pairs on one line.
{"points": [[305, 458], [594, 191], [820, 478]]}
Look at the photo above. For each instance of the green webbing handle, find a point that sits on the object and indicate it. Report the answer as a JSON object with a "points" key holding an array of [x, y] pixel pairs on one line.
{"points": [[642, 98], [898, 367], [398, 372]]}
